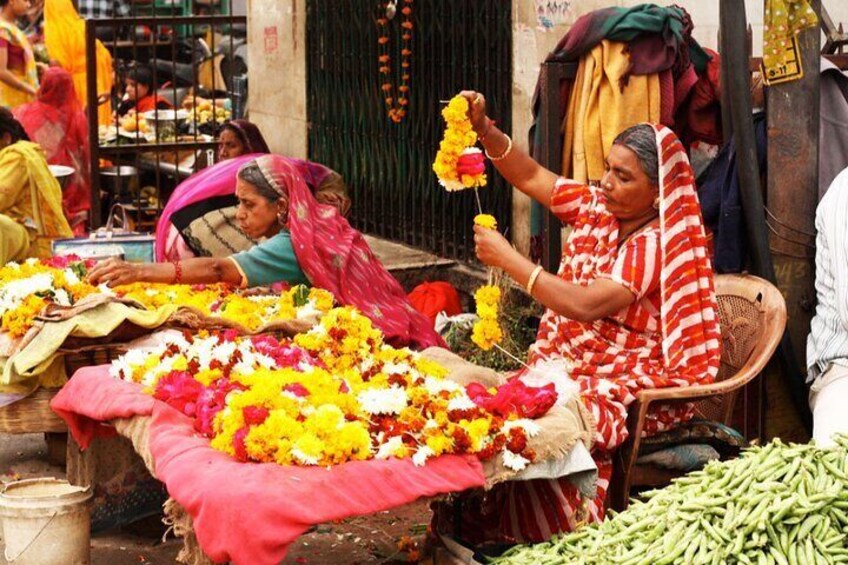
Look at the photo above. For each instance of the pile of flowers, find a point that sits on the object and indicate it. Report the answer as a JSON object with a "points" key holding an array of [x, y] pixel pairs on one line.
{"points": [[224, 301], [27, 288], [333, 394], [459, 165]]}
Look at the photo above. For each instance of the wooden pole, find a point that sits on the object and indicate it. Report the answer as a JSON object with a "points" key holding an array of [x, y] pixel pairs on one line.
{"points": [[792, 196]]}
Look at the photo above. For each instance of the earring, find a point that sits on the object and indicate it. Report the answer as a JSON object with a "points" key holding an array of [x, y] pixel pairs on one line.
{"points": [[657, 203], [282, 219]]}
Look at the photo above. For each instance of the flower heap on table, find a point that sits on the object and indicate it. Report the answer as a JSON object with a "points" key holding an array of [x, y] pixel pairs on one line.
{"points": [[459, 164], [333, 394], [27, 288]]}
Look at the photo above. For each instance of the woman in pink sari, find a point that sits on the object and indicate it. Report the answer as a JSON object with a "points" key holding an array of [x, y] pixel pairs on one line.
{"points": [[302, 241], [199, 219], [57, 122]]}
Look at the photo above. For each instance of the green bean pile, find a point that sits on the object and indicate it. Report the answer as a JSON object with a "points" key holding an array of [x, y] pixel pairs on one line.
{"points": [[775, 504]]}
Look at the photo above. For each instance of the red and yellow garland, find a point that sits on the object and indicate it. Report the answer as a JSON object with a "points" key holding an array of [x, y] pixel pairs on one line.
{"points": [[396, 102]]}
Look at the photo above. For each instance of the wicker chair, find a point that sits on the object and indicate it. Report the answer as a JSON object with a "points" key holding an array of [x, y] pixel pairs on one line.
{"points": [[752, 313]]}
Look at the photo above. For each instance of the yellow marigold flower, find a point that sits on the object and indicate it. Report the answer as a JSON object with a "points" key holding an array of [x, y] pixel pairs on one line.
{"points": [[486, 334], [486, 221], [439, 444]]}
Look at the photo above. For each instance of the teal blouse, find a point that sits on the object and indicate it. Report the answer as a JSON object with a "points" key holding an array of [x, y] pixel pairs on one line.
{"points": [[271, 261]]}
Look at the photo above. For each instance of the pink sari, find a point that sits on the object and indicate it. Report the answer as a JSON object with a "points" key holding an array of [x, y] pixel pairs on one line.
{"points": [[336, 257]]}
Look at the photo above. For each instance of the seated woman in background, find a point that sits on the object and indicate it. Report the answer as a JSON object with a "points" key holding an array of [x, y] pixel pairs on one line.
{"points": [[18, 71], [199, 218], [57, 122], [303, 241], [140, 93], [31, 213]]}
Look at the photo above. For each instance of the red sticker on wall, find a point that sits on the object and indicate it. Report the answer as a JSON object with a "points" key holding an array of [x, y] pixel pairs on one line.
{"points": [[271, 41]]}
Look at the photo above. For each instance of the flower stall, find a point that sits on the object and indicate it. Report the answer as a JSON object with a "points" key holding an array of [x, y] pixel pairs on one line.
{"points": [[258, 437]]}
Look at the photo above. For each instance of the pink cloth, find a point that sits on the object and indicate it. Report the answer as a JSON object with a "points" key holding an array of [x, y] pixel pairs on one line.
{"points": [[250, 512], [217, 180], [336, 257]]}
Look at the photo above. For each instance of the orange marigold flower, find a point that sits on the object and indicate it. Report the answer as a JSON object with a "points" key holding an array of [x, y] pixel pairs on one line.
{"points": [[406, 36], [383, 40], [406, 11], [384, 70], [386, 87], [389, 100], [405, 64], [405, 52], [384, 58], [382, 21], [403, 88], [406, 25], [403, 101]]}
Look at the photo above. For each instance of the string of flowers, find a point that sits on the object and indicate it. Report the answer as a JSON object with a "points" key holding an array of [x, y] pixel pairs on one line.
{"points": [[459, 164], [336, 393], [396, 101]]}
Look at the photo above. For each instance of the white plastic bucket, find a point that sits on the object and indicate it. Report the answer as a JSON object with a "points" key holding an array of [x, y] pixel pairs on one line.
{"points": [[46, 522]]}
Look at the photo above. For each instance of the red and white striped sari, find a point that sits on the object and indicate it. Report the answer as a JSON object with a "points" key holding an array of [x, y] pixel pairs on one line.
{"points": [[668, 337]]}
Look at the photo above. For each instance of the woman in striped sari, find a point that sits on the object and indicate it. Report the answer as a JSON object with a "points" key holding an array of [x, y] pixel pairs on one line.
{"points": [[631, 307]]}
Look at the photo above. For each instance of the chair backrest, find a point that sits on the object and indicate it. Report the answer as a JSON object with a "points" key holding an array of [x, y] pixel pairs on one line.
{"points": [[752, 314]]}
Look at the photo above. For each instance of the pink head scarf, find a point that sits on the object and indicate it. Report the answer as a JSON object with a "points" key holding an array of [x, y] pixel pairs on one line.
{"points": [[336, 257]]}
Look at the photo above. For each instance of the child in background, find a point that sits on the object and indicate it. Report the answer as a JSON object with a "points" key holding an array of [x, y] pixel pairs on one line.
{"points": [[140, 95]]}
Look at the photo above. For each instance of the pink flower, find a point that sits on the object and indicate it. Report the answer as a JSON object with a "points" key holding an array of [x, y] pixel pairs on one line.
{"points": [[514, 397], [211, 401], [280, 287], [470, 164], [180, 390]]}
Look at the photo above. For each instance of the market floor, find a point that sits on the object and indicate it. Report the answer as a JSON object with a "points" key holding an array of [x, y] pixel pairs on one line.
{"points": [[387, 537]]}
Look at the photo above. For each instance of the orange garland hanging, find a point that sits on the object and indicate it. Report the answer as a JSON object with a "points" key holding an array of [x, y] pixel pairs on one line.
{"points": [[396, 102]]}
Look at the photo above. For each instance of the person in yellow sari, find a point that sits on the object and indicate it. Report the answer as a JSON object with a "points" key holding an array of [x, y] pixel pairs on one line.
{"points": [[18, 72], [64, 36], [31, 213]]}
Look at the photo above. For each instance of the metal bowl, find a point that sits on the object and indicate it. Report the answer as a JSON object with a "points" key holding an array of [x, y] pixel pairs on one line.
{"points": [[62, 173], [117, 181]]}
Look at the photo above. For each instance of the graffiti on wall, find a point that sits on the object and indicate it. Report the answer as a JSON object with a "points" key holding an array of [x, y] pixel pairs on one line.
{"points": [[552, 12]]}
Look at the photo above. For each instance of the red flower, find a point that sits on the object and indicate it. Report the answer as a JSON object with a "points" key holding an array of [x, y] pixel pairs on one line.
{"points": [[238, 444], [255, 415], [297, 389]]}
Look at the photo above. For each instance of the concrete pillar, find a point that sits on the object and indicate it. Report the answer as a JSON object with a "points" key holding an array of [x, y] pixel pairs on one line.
{"points": [[530, 45], [276, 31]]}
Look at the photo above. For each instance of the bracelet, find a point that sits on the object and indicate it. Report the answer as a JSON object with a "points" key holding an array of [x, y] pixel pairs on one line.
{"points": [[178, 272], [489, 123], [503, 155], [531, 282]]}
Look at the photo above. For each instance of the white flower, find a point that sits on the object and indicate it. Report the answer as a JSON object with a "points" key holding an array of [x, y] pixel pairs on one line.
{"points": [[31, 261], [308, 311], [303, 458], [389, 448], [514, 461], [391, 368], [461, 402], [383, 400], [60, 297], [224, 351], [435, 385], [422, 455], [431, 423], [15, 292], [104, 289], [71, 277], [531, 428]]}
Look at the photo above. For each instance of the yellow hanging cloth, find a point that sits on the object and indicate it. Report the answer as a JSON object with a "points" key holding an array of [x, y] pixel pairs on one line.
{"points": [[64, 36], [784, 20], [599, 109]]}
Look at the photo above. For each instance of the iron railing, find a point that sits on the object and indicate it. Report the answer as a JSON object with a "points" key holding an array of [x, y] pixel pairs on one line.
{"points": [[170, 41], [456, 45]]}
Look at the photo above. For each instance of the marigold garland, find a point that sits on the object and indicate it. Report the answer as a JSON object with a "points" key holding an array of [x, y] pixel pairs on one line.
{"points": [[459, 165], [334, 394], [396, 102], [486, 221], [486, 332]]}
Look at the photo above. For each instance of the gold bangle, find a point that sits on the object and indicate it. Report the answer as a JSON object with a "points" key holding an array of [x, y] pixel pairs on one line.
{"points": [[503, 155], [531, 282]]}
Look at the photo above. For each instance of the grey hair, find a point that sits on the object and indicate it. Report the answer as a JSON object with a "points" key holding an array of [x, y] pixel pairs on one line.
{"points": [[642, 140], [252, 174]]}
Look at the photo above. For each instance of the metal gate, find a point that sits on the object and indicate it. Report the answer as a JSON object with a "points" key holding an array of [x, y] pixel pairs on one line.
{"points": [[456, 45]]}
